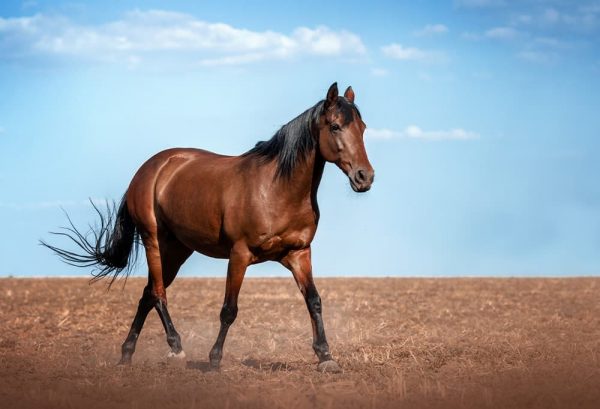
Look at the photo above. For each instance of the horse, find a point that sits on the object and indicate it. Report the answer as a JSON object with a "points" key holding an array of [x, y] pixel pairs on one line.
{"points": [[256, 207]]}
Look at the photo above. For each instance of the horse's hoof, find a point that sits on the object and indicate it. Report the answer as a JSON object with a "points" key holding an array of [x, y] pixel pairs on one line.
{"points": [[124, 362], [329, 366], [178, 355], [176, 359]]}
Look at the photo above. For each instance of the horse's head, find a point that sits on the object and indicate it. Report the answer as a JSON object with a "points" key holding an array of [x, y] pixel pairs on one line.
{"points": [[341, 138]]}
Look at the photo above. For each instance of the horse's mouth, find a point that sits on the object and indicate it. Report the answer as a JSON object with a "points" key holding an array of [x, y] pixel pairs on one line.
{"points": [[359, 188]]}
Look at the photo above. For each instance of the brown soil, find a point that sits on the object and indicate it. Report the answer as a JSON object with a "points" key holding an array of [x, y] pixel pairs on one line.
{"points": [[414, 343]]}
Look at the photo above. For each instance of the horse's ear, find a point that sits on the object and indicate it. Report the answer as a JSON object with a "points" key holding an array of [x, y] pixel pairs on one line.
{"points": [[349, 94], [332, 95]]}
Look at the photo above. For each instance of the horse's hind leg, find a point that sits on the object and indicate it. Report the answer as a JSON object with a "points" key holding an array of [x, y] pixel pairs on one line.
{"points": [[172, 255], [163, 265], [145, 305], [239, 260]]}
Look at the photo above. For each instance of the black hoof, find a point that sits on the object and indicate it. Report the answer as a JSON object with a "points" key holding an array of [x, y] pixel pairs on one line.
{"points": [[124, 361]]}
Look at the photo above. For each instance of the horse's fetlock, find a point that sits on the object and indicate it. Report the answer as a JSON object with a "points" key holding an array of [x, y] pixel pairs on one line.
{"points": [[174, 340], [215, 355], [128, 348], [322, 350]]}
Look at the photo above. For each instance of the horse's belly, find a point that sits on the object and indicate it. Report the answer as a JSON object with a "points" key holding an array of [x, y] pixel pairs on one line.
{"points": [[211, 250], [199, 232]]}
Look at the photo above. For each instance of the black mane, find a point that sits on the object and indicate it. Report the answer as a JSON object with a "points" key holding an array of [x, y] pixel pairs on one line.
{"points": [[294, 141], [291, 143]]}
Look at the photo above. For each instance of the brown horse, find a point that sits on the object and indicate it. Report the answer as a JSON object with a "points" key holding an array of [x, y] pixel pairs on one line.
{"points": [[251, 208]]}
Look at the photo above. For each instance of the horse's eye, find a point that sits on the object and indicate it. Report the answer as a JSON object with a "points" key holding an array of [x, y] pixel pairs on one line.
{"points": [[334, 127]]}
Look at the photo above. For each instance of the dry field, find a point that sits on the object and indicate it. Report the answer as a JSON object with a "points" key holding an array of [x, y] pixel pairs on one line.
{"points": [[414, 343]]}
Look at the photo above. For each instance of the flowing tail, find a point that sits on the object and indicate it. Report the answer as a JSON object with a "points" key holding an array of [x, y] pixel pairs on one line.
{"points": [[110, 247]]}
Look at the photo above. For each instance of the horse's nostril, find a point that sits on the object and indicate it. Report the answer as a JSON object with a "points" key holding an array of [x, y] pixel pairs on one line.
{"points": [[361, 176]]}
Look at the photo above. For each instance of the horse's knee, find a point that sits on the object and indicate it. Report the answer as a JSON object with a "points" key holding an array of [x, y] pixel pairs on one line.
{"points": [[228, 314]]}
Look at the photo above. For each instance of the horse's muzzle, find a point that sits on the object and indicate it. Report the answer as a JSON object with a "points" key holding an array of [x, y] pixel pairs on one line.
{"points": [[361, 179]]}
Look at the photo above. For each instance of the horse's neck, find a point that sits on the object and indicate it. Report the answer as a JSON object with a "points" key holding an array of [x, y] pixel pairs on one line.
{"points": [[305, 179], [317, 174]]}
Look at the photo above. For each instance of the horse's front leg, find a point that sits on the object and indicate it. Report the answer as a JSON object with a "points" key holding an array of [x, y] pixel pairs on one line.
{"points": [[239, 260], [299, 263]]}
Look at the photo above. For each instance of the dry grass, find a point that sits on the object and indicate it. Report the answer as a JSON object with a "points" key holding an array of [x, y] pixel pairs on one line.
{"points": [[467, 343]]}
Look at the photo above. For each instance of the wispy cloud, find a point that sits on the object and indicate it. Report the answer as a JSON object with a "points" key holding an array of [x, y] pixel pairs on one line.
{"points": [[431, 29], [140, 35], [551, 42], [471, 36], [415, 132], [545, 50], [583, 18], [547, 31], [400, 52], [542, 57], [502, 33]]}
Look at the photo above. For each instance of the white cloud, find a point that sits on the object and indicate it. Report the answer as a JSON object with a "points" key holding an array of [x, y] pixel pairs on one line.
{"points": [[400, 52], [381, 133], [431, 29], [415, 132], [502, 33], [232, 59], [323, 41], [143, 34]]}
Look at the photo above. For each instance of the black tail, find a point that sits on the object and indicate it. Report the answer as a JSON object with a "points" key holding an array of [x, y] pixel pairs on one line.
{"points": [[110, 247]]}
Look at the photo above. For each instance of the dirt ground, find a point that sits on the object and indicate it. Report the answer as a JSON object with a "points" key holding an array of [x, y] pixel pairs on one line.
{"points": [[414, 343]]}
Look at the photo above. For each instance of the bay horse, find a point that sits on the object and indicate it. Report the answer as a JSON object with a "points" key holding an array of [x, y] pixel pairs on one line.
{"points": [[259, 206]]}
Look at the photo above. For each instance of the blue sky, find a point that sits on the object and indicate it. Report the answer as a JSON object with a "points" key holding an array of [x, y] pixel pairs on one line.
{"points": [[482, 119]]}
